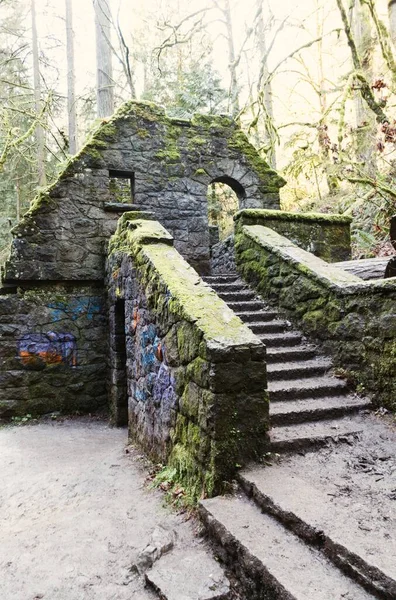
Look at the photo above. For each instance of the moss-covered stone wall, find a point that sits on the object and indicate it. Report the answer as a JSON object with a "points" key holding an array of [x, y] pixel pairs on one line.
{"points": [[196, 375], [325, 235], [354, 320], [52, 350], [170, 162]]}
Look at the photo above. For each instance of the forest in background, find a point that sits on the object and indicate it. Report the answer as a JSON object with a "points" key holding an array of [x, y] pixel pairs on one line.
{"points": [[313, 86]]}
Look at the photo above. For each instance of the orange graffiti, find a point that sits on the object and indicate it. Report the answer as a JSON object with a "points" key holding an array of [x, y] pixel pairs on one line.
{"points": [[135, 319]]}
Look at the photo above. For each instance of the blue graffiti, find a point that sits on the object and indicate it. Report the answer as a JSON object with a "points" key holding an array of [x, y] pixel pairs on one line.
{"points": [[75, 308]]}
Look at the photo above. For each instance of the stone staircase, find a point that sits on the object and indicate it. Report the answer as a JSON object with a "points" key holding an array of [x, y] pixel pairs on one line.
{"points": [[308, 405], [283, 537]]}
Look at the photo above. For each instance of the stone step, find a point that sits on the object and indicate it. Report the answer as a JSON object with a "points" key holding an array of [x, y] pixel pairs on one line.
{"points": [[248, 316], [267, 326], [229, 286], [221, 278], [309, 387], [272, 561], [283, 354], [301, 368], [290, 438], [275, 340], [312, 514], [188, 574], [237, 296], [315, 409], [248, 305]]}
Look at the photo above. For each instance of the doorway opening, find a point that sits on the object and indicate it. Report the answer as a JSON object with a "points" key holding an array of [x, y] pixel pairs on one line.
{"points": [[119, 380], [224, 195]]}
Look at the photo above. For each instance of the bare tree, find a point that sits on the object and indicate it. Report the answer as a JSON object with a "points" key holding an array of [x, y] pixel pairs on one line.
{"points": [[71, 93], [104, 67], [37, 99], [270, 133]]}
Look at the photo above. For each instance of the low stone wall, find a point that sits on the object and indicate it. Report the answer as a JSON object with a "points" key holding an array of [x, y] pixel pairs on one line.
{"points": [[195, 374], [52, 350], [327, 236], [355, 320]]}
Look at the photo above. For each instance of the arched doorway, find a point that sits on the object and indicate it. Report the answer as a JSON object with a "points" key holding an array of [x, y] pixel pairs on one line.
{"points": [[224, 195]]}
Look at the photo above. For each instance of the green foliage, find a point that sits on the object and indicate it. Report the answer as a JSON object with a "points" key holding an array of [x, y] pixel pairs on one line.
{"points": [[196, 88]]}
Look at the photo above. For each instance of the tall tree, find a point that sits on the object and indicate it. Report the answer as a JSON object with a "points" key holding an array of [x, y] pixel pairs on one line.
{"points": [[40, 139], [104, 66], [71, 85], [270, 137], [365, 121], [392, 20]]}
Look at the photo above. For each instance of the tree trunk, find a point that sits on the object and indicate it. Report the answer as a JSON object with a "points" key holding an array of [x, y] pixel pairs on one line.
{"points": [[71, 93], [234, 92], [104, 68], [392, 20], [269, 138], [37, 100], [365, 131]]}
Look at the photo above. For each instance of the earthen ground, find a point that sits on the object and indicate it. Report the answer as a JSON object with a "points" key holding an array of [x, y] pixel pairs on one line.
{"points": [[75, 512]]}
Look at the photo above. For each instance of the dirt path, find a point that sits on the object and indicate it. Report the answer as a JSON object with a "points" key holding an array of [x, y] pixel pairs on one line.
{"points": [[74, 513]]}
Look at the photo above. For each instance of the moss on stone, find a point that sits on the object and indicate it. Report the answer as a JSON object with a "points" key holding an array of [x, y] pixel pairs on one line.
{"points": [[258, 214], [271, 181]]}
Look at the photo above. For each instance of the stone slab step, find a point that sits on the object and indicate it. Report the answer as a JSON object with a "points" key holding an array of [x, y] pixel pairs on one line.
{"points": [[301, 368], [283, 354], [315, 409], [274, 340], [229, 286], [309, 387], [221, 278], [247, 305], [249, 316], [314, 516], [189, 574], [278, 565], [290, 438], [267, 326], [237, 296]]}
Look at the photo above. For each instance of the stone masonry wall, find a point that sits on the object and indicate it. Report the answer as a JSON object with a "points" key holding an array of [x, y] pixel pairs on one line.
{"points": [[354, 320], [170, 162], [327, 236], [196, 375], [222, 258], [52, 351]]}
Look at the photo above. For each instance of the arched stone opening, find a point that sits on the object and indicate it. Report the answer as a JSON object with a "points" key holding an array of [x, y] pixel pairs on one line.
{"points": [[224, 197]]}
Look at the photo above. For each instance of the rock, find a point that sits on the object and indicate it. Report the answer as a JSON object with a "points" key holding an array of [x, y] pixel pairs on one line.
{"points": [[161, 542], [189, 575]]}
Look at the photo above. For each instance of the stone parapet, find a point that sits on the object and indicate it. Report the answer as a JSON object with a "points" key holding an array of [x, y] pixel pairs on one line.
{"points": [[195, 374], [324, 235], [355, 320]]}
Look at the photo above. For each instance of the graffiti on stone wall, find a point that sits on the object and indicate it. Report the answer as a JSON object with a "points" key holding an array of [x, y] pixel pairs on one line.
{"points": [[154, 378], [37, 350], [74, 308]]}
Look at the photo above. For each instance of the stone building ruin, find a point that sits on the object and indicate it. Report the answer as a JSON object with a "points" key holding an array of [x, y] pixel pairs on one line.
{"points": [[53, 352]]}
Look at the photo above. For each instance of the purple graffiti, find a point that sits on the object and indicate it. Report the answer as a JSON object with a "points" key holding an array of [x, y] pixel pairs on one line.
{"points": [[51, 348]]}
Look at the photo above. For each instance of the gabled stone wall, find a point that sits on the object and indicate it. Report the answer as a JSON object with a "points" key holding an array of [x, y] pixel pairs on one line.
{"points": [[195, 374], [170, 163]]}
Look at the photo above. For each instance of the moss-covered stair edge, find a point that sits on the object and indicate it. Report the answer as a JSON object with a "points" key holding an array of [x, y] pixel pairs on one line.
{"points": [[217, 363], [354, 320], [325, 235]]}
